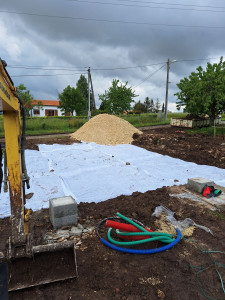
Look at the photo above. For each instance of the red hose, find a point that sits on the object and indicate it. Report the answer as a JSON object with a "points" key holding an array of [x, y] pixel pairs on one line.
{"points": [[127, 227]]}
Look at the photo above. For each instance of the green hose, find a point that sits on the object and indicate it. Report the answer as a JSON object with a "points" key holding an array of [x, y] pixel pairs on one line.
{"points": [[156, 238], [160, 236], [163, 237], [132, 222]]}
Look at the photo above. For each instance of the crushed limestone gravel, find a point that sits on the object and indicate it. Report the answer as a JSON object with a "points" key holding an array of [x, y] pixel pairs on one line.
{"points": [[106, 129]]}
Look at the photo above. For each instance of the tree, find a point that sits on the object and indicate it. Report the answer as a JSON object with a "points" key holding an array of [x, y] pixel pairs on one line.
{"points": [[71, 100], [152, 106], [25, 97], [147, 104], [117, 98], [157, 106], [203, 92], [140, 107], [82, 86]]}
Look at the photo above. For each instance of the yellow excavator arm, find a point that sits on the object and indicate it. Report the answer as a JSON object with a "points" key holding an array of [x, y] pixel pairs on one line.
{"points": [[20, 243], [12, 107]]}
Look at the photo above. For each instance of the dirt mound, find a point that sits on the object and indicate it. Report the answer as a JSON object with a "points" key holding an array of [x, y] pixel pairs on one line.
{"points": [[106, 129]]}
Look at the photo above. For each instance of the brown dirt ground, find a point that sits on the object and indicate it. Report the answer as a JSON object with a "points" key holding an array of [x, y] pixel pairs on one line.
{"points": [[106, 274], [173, 141]]}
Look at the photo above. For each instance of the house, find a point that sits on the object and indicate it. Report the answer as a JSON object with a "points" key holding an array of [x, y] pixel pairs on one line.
{"points": [[49, 108]]}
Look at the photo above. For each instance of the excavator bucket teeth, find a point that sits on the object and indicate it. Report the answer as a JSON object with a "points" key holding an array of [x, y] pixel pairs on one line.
{"points": [[42, 268]]}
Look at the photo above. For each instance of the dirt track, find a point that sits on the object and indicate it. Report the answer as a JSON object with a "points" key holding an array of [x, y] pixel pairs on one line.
{"points": [[107, 274]]}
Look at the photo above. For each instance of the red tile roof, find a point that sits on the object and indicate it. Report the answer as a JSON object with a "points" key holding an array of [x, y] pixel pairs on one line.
{"points": [[46, 102]]}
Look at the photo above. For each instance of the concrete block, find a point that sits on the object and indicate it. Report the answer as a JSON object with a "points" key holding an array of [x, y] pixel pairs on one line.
{"points": [[63, 211], [197, 184]]}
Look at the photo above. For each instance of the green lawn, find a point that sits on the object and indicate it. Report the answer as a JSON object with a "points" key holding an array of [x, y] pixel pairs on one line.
{"points": [[48, 125]]}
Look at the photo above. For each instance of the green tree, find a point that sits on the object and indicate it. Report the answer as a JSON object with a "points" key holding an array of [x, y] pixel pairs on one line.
{"points": [[82, 86], [152, 106], [117, 98], [203, 92], [147, 104], [140, 107], [71, 100], [25, 97], [157, 106]]}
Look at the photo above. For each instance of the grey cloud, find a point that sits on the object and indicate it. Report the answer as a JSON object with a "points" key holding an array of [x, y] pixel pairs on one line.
{"points": [[62, 42]]}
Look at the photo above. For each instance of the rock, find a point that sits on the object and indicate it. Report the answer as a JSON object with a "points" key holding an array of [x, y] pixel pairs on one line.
{"points": [[29, 196], [76, 231], [62, 232], [80, 226], [61, 239], [127, 163], [134, 215], [89, 229], [160, 294], [65, 227]]}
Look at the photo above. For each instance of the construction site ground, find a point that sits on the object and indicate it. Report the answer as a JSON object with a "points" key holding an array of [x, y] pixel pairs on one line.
{"points": [[183, 272]]}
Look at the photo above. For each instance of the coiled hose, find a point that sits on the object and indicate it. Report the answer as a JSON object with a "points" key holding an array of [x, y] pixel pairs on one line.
{"points": [[149, 236]]}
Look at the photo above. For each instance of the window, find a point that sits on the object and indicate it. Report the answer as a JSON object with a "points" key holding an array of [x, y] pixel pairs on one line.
{"points": [[36, 111], [51, 112]]}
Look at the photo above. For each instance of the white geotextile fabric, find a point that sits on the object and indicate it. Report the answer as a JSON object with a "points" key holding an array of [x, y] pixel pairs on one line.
{"points": [[91, 173]]}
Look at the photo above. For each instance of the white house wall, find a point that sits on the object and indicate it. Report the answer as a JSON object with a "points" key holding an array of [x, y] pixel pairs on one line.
{"points": [[42, 110]]}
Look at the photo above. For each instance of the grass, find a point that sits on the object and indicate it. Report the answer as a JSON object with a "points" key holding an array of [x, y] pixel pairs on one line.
{"points": [[150, 119], [48, 125], [220, 214], [207, 130], [36, 125]]}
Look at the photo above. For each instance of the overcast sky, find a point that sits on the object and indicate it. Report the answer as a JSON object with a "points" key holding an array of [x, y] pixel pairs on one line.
{"points": [[124, 39]]}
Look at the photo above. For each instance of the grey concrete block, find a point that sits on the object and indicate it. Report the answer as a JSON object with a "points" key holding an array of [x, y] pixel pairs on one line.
{"points": [[197, 184], [63, 211]]}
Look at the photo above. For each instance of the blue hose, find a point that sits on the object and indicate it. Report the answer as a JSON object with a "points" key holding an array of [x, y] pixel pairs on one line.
{"points": [[147, 251]]}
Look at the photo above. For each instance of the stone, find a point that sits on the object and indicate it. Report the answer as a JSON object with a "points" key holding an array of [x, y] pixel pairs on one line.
{"points": [[76, 231], [63, 211], [197, 184]]}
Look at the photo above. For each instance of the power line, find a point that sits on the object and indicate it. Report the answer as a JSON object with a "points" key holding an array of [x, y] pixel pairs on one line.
{"points": [[126, 68], [114, 21], [53, 68], [154, 7], [149, 76], [42, 75], [167, 3], [177, 61], [45, 68]]}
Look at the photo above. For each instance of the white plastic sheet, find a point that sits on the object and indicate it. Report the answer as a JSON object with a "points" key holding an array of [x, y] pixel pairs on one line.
{"points": [[93, 173]]}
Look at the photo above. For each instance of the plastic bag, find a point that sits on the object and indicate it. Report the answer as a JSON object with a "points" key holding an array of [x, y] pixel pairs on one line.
{"points": [[181, 225]]}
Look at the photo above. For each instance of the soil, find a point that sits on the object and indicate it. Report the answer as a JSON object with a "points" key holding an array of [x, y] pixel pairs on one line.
{"points": [[175, 142], [183, 272]]}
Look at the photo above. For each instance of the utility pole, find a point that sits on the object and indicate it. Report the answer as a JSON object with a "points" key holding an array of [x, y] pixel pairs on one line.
{"points": [[89, 102], [93, 95], [167, 86]]}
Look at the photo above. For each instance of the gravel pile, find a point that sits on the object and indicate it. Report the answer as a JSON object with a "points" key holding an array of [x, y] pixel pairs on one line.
{"points": [[106, 129]]}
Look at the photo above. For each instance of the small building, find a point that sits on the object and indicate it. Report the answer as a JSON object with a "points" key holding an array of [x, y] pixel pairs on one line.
{"points": [[48, 108]]}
